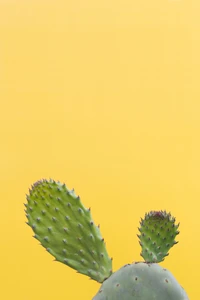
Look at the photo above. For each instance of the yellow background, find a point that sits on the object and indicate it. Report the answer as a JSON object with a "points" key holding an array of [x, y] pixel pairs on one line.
{"points": [[102, 95]]}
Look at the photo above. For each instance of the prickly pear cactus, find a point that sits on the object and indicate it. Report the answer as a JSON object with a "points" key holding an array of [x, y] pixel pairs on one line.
{"points": [[147, 280], [158, 231], [141, 281], [65, 228]]}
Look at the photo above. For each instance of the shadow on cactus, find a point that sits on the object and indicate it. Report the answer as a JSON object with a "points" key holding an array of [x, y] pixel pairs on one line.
{"points": [[65, 228]]}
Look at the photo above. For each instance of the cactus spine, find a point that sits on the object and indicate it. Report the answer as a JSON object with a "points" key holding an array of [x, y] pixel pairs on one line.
{"points": [[65, 228]]}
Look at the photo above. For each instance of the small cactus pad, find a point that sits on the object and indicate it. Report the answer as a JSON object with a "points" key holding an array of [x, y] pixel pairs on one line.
{"points": [[141, 281], [65, 228], [157, 235]]}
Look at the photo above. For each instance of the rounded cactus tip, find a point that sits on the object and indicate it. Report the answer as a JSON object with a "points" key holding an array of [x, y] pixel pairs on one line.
{"points": [[158, 231]]}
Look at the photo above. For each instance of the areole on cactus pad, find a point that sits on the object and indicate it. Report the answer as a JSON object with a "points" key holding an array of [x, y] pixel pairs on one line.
{"points": [[66, 230]]}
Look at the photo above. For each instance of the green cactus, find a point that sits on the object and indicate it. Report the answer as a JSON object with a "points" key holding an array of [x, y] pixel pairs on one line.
{"points": [[158, 231], [141, 281], [65, 228]]}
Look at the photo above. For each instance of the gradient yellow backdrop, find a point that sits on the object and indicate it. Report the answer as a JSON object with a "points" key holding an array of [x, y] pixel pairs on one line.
{"points": [[104, 96]]}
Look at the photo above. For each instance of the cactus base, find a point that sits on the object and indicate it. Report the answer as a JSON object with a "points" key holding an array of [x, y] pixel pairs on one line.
{"points": [[141, 281]]}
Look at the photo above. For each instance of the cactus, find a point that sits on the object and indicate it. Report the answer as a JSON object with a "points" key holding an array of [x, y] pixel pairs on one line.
{"points": [[158, 231], [66, 230], [141, 281]]}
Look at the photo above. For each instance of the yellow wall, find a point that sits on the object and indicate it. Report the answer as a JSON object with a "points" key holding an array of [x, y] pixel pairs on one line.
{"points": [[103, 95]]}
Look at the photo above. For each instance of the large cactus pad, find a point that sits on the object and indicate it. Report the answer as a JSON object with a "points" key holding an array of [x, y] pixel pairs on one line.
{"points": [[141, 281], [65, 228]]}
